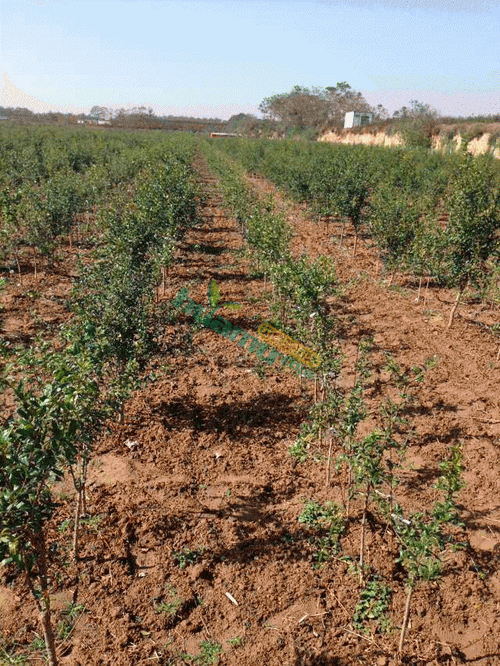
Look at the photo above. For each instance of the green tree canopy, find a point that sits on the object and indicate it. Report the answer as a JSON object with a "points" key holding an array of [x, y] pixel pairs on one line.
{"points": [[313, 107], [244, 123], [417, 123]]}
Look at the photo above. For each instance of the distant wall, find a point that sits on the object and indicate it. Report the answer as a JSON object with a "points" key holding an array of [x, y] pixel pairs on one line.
{"points": [[368, 138], [476, 146], [379, 138]]}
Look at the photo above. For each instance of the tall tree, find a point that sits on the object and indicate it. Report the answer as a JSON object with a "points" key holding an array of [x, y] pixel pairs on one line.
{"points": [[99, 113], [417, 123], [313, 107], [342, 98]]}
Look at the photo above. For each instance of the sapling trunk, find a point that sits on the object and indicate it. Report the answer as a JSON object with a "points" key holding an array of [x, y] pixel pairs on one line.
{"points": [[164, 276], [19, 270], [356, 367], [455, 306], [78, 513], [426, 289], [79, 485], [43, 603], [349, 484], [355, 242], [329, 460], [48, 633], [417, 300], [363, 532], [405, 618], [48, 636], [390, 478], [342, 234], [84, 497]]}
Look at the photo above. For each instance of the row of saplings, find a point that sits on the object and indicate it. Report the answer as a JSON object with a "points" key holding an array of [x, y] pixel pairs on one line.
{"points": [[430, 215], [51, 180], [65, 394], [367, 465]]}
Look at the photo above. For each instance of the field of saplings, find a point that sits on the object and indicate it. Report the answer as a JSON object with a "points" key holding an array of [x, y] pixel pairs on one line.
{"points": [[250, 409]]}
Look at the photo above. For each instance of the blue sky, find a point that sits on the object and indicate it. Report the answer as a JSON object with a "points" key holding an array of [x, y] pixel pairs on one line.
{"points": [[213, 58]]}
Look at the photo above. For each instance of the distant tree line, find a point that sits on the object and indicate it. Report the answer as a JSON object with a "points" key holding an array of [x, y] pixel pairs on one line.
{"points": [[135, 118], [305, 112]]}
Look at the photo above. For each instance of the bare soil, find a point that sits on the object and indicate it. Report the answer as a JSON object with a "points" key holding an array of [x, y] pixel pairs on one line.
{"points": [[192, 533]]}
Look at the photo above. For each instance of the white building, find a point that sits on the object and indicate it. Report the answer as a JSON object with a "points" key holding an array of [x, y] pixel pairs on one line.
{"points": [[357, 119]]}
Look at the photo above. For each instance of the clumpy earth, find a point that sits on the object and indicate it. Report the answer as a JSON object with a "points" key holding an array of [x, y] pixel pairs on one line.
{"points": [[191, 550]]}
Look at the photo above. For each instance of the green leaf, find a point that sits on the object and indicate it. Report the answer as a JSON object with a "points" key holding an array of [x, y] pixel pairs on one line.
{"points": [[213, 293], [232, 306]]}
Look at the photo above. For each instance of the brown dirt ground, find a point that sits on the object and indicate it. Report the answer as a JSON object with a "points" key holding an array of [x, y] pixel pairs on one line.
{"points": [[201, 463]]}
